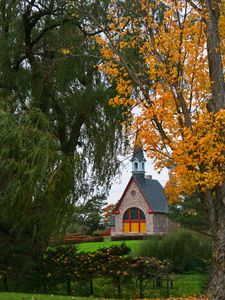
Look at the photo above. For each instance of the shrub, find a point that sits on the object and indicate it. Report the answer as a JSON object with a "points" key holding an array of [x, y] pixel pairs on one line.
{"points": [[121, 249], [103, 233], [65, 268], [128, 237], [115, 267], [185, 250], [96, 233], [83, 240], [145, 268], [59, 265]]}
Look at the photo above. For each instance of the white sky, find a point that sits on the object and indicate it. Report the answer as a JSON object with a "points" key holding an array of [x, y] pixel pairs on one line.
{"points": [[120, 183]]}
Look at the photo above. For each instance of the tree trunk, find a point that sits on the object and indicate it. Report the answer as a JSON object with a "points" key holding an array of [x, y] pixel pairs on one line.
{"points": [[91, 287], [216, 290], [215, 205], [5, 282], [68, 287], [217, 101], [141, 292], [214, 201], [119, 292]]}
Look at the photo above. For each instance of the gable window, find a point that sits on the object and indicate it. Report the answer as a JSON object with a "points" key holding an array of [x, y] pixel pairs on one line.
{"points": [[133, 193], [134, 220]]}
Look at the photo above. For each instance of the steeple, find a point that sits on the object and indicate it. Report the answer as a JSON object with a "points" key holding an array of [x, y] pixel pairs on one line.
{"points": [[138, 160]]}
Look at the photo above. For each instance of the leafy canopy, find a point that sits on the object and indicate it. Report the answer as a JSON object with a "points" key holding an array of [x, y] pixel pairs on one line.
{"points": [[57, 131], [156, 53]]}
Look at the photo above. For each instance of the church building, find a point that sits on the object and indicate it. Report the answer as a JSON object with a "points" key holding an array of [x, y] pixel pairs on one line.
{"points": [[143, 207]]}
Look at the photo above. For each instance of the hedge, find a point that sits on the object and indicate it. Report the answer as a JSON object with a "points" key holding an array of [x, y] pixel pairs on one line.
{"points": [[129, 237], [64, 265]]}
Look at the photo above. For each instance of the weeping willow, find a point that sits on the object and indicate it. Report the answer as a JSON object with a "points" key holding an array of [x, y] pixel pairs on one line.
{"points": [[59, 138]]}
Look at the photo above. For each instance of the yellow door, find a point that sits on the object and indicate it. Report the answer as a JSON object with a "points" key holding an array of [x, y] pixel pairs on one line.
{"points": [[143, 227], [126, 227], [134, 227]]}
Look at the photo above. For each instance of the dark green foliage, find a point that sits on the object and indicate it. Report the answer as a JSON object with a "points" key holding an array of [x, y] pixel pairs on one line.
{"points": [[17, 261], [129, 237], [59, 265], [116, 268], [190, 213], [28, 153], [76, 272], [119, 250], [83, 240], [185, 286], [184, 249], [62, 264], [87, 215], [145, 268], [59, 138]]}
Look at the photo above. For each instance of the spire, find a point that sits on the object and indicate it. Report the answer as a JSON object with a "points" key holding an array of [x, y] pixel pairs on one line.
{"points": [[138, 154], [138, 160]]}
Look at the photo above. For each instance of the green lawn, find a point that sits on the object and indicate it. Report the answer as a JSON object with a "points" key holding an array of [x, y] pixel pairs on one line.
{"points": [[188, 285], [91, 247], [24, 296], [185, 285]]}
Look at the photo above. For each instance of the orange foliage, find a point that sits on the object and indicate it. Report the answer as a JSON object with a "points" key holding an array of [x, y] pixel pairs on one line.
{"points": [[186, 298], [107, 212], [158, 61]]}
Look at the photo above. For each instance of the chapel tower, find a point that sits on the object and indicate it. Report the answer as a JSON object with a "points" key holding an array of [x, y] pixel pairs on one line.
{"points": [[138, 161]]}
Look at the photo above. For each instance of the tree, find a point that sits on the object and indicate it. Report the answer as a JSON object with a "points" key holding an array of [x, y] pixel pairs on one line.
{"points": [[166, 58], [57, 131], [87, 214], [106, 215], [190, 213]]}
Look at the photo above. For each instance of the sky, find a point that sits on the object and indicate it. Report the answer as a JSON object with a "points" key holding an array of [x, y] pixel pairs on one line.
{"points": [[120, 183]]}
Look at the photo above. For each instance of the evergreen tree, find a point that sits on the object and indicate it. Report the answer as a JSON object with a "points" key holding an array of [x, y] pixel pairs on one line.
{"points": [[87, 215], [189, 213]]}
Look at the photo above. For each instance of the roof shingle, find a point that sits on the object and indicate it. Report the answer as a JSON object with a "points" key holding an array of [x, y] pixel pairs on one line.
{"points": [[153, 193]]}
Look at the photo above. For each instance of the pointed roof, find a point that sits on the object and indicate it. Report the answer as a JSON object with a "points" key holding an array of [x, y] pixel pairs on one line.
{"points": [[138, 150], [151, 189], [138, 154], [152, 192]]}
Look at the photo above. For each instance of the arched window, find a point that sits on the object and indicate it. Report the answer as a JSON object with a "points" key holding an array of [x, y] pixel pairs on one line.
{"points": [[134, 220], [135, 165]]}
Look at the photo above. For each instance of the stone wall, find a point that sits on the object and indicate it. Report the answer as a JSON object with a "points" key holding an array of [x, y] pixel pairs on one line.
{"points": [[134, 199], [160, 223], [156, 223]]}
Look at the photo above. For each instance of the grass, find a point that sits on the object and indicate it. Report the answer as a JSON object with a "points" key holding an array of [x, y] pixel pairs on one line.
{"points": [[185, 285], [189, 284], [24, 296], [92, 247]]}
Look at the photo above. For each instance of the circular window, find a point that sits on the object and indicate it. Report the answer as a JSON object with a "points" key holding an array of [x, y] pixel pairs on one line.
{"points": [[133, 193]]}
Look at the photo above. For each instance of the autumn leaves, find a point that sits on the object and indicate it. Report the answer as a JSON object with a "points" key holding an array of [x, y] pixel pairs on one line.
{"points": [[156, 55]]}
